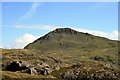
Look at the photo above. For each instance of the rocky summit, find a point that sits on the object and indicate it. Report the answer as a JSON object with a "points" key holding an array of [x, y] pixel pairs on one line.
{"points": [[64, 54], [66, 38]]}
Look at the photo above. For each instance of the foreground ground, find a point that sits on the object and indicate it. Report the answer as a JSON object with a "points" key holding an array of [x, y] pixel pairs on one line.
{"points": [[70, 64]]}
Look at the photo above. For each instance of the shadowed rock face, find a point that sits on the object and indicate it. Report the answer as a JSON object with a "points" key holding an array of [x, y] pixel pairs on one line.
{"points": [[17, 66], [14, 66]]}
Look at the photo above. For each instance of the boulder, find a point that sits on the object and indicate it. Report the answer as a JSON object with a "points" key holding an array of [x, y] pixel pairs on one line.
{"points": [[99, 58], [45, 65], [45, 71], [17, 66], [69, 75], [43, 68], [42, 65], [23, 66], [48, 70], [32, 71]]}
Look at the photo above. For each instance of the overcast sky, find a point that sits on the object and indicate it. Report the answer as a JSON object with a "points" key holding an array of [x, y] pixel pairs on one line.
{"points": [[23, 22]]}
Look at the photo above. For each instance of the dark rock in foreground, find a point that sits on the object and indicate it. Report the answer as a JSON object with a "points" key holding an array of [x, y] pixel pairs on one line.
{"points": [[23, 66], [17, 66]]}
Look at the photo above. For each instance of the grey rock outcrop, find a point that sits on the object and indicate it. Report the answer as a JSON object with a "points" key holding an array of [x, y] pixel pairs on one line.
{"points": [[70, 74], [44, 69]]}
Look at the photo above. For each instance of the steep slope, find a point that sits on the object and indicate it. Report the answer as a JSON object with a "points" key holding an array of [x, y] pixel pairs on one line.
{"points": [[64, 38]]}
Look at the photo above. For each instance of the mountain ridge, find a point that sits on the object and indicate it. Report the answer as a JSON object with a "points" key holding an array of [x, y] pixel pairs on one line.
{"points": [[69, 38]]}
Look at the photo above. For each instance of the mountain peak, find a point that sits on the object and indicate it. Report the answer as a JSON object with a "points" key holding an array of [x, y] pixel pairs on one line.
{"points": [[67, 38], [65, 30]]}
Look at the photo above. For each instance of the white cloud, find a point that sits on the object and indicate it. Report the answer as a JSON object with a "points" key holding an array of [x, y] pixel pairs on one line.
{"points": [[40, 27], [111, 35], [31, 11], [22, 41]]}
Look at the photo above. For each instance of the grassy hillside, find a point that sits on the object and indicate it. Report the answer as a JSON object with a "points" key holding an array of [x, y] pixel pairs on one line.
{"points": [[64, 47], [63, 38]]}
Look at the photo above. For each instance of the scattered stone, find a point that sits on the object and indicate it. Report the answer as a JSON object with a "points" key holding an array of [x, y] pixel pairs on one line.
{"points": [[41, 68], [57, 68], [55, 59], [76, 66], [70, 74], [32, 71], [98, 58], [44, 69], [50, 76], [48, 71], [42, 65], [45, 65]]}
